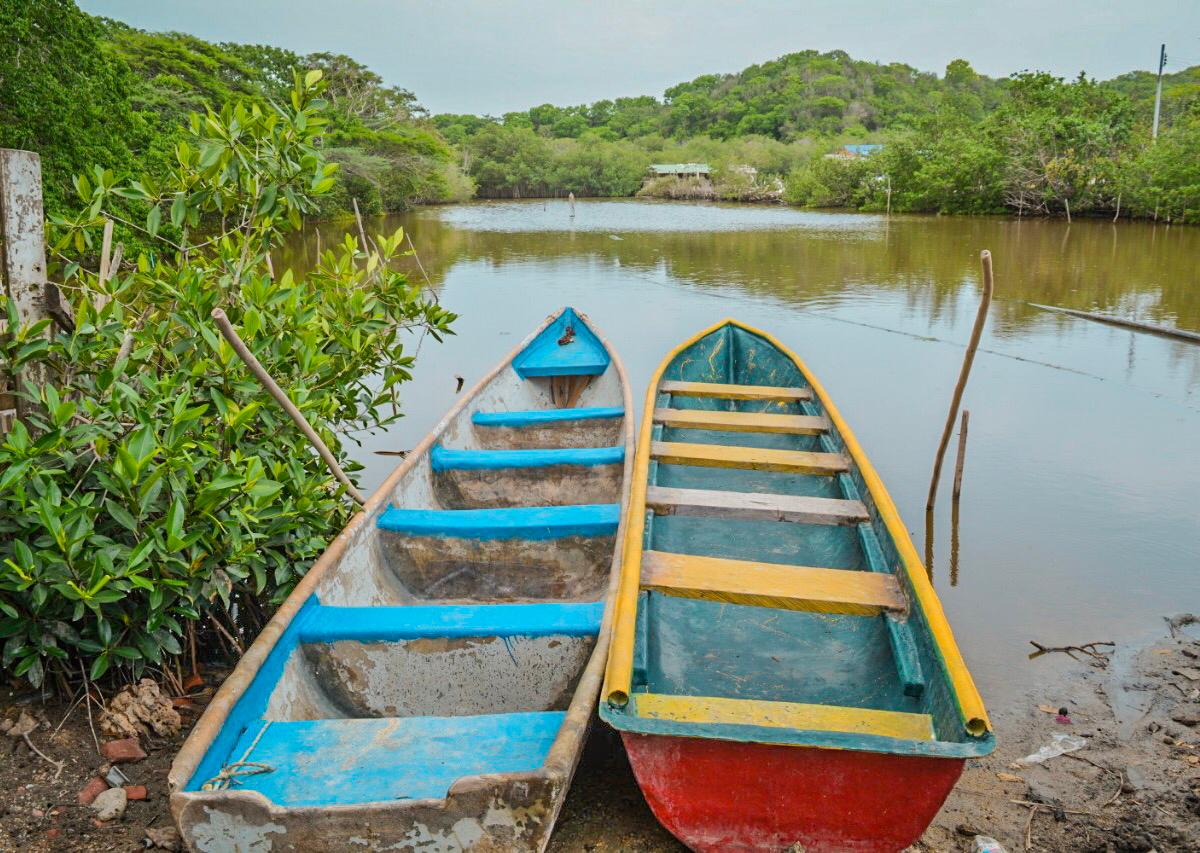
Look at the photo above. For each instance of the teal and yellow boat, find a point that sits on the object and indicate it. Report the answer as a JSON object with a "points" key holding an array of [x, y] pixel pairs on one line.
{"points": [[781, 671]]}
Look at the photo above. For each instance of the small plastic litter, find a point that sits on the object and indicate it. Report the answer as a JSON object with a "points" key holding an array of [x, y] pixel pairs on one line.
{"points": [[1059, 745], [1063, 717], [115, 777], [987, 844]]}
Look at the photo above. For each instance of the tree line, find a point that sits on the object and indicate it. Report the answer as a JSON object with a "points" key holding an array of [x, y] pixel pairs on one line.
{"points": [[84, 90]]}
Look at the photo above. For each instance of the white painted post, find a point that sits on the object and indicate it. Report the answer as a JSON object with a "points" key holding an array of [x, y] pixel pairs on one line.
{"points": [[23, 249]]}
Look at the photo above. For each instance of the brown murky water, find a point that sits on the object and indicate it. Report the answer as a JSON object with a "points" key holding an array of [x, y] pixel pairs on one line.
{"points": [[1079, 519]]}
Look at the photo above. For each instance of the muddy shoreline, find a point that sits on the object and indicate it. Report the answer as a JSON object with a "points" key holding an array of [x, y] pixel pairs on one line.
{"points": [[1133, 786]]}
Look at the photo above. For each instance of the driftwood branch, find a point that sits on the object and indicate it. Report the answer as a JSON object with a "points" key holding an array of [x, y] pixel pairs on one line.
{"points": [[1090, 649], [1136, 325], [282, 399], [985, 258]]}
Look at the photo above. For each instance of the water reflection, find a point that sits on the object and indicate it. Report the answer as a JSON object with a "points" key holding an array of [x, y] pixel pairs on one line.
{"points": [[1138, 270], [1079, 506]]}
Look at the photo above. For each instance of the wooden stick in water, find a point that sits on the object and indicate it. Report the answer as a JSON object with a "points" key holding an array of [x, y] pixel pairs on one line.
{"points": [[985, 258], [106, 251], [362, 232], [962, 453], [281, 398], [106, 265]]}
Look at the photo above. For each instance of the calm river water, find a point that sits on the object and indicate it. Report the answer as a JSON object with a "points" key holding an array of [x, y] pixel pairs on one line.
{"points": [[1079, 519]]}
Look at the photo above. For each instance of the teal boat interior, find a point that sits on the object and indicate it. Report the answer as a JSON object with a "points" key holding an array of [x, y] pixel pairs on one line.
{"points": [[448, 637], [751, 499]]}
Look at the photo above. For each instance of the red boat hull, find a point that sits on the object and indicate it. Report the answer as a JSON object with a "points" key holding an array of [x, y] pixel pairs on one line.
{"points": [[728, 796]]}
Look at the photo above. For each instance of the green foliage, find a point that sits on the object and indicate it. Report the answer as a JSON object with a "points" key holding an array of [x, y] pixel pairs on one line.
{"points": [[1163, 180], [63, 92], [832, 182], [800, 94], [82, 90], [158, 490]]}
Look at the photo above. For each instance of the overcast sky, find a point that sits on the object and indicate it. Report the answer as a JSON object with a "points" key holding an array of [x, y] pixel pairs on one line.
{"points": [[492, 56]]}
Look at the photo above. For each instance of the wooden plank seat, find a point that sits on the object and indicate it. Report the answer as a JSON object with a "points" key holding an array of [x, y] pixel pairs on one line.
{"points": [[741, 421], [755, 506], [751, 458], [718, 710], [734, 392], [772, 585]]}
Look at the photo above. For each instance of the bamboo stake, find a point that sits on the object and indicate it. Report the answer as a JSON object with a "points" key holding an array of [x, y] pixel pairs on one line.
{"points": [[962, 453], [106, 251], [985, 258], [954, 543], [281, 398], [362, 232]]}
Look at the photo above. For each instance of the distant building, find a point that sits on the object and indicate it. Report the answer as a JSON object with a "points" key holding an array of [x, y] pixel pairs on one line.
{"points": [[853, 152], [679, 170]]}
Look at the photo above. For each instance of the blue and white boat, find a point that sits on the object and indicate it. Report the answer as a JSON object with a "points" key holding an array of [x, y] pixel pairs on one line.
{"points": [[430, 683]]}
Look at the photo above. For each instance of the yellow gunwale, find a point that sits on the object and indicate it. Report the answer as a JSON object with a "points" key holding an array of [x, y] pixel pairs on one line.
{"points": [[619, 672]]}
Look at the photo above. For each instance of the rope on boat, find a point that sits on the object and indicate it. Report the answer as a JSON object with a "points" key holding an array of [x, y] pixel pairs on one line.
{"points": [[230, 772]]}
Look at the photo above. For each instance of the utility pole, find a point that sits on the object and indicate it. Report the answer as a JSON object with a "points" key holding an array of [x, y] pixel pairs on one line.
{"points": [[1162, 62]]}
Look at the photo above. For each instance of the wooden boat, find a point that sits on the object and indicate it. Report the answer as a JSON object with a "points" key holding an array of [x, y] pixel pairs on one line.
{"points": [[781, 671], [430, 682]]}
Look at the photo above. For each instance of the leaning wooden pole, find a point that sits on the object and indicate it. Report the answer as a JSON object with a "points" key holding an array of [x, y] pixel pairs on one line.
{"points": [[282, 399], [985, 258]]}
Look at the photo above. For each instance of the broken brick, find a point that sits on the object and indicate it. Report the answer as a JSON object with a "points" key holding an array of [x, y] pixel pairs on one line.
{"points": [[136, 792], [122, 751], [91, 790]]}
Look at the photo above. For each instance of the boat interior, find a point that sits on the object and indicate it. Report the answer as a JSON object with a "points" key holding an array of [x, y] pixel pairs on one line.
{"points": [[773, 604], [449, 638]]}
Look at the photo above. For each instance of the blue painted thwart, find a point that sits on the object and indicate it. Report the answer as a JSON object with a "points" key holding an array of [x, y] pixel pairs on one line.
{"points": [[526, 522], [334, 762], [448, 459], [385, 624], [536, 417]]}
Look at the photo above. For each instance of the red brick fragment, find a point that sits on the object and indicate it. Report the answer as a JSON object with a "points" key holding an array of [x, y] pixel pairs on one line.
{"points": [[53, 833], [122, 751], [136, 792], [91, 790]]}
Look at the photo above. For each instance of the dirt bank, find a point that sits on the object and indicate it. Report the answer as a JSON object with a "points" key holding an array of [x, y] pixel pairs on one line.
{"points": [[1134, 786]]}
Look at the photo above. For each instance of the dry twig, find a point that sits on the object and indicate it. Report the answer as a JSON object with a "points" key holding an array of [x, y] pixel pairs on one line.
{"points": [[1086, 648]]}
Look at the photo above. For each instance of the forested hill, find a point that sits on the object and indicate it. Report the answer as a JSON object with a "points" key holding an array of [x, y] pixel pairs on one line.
{"points": [[800, 95]]}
